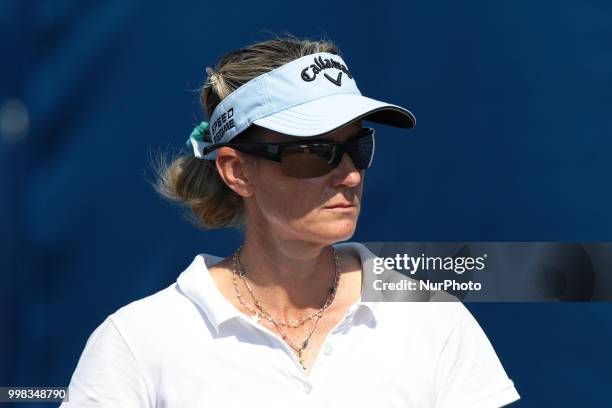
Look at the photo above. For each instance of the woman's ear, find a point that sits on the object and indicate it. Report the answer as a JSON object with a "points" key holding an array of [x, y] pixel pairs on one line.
{"points": [[236, 170]]}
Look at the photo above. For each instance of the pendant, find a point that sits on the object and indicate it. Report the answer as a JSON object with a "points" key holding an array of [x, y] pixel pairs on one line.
{"points": [[255, 318]]}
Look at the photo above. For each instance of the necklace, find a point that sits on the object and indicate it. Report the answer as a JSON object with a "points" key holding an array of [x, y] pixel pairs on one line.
{"points": [[261, 311]]}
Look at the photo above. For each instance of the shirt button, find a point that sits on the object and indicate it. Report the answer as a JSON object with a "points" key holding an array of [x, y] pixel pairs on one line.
{"points": [[328, 349], [307, 388]]}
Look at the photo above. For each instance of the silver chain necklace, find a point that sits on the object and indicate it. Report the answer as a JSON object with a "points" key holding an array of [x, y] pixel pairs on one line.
{"points": [[239, 271]]}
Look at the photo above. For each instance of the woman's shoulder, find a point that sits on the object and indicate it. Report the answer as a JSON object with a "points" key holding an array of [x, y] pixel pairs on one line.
{"points": [[161, 312], [169, 304], [442, 314], [150, 309]]}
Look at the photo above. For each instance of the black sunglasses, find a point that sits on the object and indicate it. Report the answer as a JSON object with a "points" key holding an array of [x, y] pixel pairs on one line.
{"points": [[308, 159]]}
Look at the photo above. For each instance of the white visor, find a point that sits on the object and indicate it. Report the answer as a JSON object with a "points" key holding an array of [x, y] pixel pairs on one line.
{"points": [[309, 96]]}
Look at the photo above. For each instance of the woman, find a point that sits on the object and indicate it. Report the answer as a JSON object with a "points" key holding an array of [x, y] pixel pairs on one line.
{"points": [[281, 320]]}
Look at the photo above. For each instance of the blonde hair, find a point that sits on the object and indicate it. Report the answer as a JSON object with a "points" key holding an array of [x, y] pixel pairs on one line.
{"points": [[196, 183]]}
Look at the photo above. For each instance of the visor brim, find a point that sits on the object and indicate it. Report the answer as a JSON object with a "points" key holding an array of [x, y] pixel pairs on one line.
{"points": [[324, 115]]}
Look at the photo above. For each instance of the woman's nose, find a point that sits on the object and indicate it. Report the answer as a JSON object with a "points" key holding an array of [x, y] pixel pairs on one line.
{"points": [[346, 173]]}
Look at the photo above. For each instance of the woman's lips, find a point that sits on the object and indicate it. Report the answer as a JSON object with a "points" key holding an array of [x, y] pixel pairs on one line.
{"points": [[342, 207]]}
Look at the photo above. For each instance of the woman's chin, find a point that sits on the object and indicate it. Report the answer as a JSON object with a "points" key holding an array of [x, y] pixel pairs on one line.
{"points": [[337, 231]]}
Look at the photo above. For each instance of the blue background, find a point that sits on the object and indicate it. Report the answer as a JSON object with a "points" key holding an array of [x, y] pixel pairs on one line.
{"points": [[512, 143]]}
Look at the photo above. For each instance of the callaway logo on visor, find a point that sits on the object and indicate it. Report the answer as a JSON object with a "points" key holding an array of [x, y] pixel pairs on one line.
{"points": [[310, 72]]}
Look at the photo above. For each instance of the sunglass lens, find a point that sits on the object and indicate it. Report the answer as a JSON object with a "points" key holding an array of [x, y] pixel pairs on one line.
{"points": [[307, 162], [362, 151]]}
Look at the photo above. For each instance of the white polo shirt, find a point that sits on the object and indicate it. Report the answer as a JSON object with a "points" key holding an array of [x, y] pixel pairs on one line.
{"points": [[188, 346]]}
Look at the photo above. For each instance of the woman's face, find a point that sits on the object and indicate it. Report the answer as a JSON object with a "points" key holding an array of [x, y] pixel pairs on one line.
{"points": [[322, 209]]}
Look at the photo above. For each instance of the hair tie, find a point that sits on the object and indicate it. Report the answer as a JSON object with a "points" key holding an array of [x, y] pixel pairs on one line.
{"points": [[198, 133], [212, 76], [197, 142]]}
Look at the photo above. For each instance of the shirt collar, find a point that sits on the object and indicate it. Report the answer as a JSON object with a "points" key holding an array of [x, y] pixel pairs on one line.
{"points": [[197, 284]]}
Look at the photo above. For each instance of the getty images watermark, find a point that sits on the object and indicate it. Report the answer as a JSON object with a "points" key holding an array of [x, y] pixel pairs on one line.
{"points": [[417, 265], [487, 271]]}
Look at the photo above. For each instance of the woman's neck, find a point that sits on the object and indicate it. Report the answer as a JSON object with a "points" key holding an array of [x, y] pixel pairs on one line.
{"points": [[289, 277]]}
